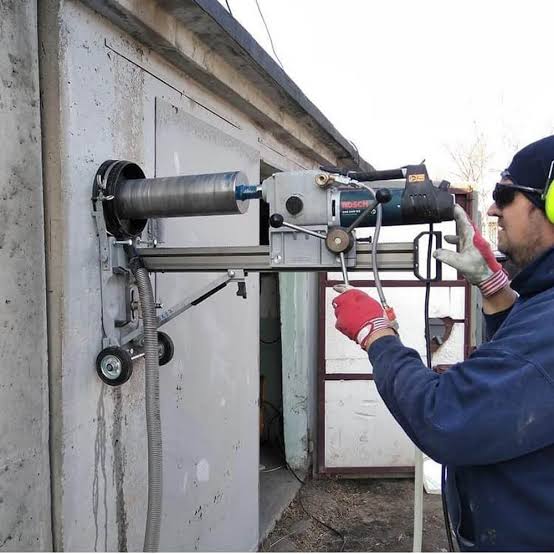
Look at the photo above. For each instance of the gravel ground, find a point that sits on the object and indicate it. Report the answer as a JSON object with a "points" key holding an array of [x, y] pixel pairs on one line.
{"points": [[373, 515]]}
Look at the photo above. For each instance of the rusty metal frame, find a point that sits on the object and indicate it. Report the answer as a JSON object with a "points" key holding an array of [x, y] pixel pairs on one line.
{"points": [[368, 472], [465, 199]]}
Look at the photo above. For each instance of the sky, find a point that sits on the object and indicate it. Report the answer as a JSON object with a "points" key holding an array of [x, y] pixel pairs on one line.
{"points": [[413, 80]]}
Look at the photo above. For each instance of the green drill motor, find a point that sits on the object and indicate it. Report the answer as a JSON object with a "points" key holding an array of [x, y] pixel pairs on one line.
{"points": [[333, 198], [419, 201]]}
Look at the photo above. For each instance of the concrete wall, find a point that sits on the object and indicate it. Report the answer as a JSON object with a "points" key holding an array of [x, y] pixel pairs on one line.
{"points": [[106, 96], [210, 391], [299, 327], [24, 472], [73, 450]]}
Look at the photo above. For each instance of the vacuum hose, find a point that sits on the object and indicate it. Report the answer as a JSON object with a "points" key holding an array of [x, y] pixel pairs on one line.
{"points": [[152, 397]]}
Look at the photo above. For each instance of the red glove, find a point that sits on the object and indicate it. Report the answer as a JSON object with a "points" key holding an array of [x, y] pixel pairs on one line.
{"points": [[359, 316]]}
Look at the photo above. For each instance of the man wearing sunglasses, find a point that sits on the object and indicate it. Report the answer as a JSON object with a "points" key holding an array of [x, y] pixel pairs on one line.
{"points": [[490, 418]]}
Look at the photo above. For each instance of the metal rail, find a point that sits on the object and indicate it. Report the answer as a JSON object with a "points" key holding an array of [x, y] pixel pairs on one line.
{"points": [[397, 256]]}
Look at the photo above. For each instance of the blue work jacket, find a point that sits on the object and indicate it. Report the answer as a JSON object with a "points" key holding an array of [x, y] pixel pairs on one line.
{"points": [[489, 419]]}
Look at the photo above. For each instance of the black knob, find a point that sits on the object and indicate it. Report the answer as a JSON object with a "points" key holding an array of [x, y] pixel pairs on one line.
{"points": [[383, 196], [294, 205], [276, 220]]}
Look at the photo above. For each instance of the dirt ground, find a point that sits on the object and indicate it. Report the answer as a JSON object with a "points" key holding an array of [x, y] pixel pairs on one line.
{"points": [[373, 515]]}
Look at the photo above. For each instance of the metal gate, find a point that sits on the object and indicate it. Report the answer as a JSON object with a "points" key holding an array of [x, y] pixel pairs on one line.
{"points": [[356, 433]]}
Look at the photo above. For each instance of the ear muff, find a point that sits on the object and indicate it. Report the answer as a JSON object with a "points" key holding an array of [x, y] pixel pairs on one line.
{"points": [[548, 198], [548, 195]]}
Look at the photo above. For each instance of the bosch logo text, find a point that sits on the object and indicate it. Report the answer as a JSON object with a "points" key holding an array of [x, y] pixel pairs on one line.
{"points": [[354, 204]]}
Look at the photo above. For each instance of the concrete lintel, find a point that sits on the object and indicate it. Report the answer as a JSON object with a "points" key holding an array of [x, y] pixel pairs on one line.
{"points": [[203, 40]]}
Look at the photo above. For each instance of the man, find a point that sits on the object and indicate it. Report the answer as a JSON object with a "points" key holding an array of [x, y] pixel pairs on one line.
{"points": [[489, 419]]}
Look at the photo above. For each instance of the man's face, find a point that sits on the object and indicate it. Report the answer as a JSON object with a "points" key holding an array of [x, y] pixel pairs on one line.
{"points": [[519, 228]]}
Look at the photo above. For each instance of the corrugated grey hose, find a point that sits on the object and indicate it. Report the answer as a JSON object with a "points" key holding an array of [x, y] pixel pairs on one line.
{"points": [[152, 395]]}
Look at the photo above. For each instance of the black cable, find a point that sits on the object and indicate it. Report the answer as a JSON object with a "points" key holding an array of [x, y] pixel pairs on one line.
{"points": [[278, 339], [281, 446], [275, 409], [269, 35], [342, 536], [427, 295], [336, 531], [277, 417], [357, 153], [445, 510], [429, 363], [229, 8]]}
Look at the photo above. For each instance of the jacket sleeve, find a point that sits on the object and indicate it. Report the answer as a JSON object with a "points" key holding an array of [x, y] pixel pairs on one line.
{"points": [[492, 407], [494, 321]]}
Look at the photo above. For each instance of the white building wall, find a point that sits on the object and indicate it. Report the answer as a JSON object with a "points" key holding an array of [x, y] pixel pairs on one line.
{"points": [[24, 473], [210, 391], [106, 97]]}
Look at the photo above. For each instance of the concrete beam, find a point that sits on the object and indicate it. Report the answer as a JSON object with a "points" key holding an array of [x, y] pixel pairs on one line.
{"points": [[24, 461], [203, 40]]}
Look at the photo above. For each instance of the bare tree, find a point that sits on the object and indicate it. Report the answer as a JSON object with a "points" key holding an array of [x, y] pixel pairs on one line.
{"points": [[471, 161], [470, 166]]}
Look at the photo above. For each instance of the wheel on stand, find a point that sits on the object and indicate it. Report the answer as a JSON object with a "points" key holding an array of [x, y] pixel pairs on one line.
{"points": [[114, 366], [166, 348]]}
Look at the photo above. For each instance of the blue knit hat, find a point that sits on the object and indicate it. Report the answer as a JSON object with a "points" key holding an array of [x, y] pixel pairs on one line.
{"points": [[531, 165]]}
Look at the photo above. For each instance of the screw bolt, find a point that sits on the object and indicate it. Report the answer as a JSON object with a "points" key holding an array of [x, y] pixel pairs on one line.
{"points": [[322, 180]]}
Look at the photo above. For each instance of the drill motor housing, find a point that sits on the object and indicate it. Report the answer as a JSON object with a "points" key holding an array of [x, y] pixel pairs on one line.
{"points": [[319, 201], [301, 198]]}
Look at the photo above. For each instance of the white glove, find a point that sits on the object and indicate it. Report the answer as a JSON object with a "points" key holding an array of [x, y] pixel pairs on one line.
{"points": [[475, 260]]}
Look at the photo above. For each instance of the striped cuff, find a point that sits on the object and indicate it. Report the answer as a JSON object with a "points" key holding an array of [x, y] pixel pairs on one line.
{"points": [[374, 325], [494, 283]]}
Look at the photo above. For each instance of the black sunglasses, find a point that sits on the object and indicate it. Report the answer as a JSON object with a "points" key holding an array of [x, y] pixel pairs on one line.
{"points": [[503, 195]]}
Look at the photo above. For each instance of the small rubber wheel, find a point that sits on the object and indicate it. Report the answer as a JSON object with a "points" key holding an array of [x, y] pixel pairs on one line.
{"points": [[114, 366], [166, 349]]}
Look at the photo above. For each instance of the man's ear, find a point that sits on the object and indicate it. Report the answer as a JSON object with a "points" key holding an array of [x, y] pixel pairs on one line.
{"points": [[534, 208], [546, 226]]}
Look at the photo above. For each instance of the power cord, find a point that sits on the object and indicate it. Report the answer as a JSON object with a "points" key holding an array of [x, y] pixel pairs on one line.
{"points": [[269, 35], [332, 529], [357, 153], [281, 446], [427, 298], [274, 341], [429, 362], [277, 417], [445, 510]]}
